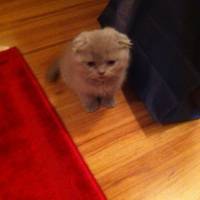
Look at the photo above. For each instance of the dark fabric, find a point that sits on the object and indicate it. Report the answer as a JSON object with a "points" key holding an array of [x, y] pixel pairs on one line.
{"points": [[38, 160], [165, 69]]}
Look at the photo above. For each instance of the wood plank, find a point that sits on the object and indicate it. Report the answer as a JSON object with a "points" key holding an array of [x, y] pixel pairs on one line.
{"points": [[56, 27], [15, 12], [168, 172]]}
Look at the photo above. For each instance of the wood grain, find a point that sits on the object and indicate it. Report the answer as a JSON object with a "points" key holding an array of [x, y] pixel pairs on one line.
{"points": [[40, 31], [15, 12], [132, 157]]}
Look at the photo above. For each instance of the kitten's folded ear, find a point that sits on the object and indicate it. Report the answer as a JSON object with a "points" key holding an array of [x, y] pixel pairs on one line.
{"points": [[80, 42], [124, 41]]}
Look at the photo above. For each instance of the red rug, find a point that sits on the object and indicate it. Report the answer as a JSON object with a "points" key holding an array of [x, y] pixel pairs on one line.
{"points": [[38, 160]]}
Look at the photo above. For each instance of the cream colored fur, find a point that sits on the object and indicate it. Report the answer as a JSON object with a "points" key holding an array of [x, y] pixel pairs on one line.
{"points": [[95, 67]]}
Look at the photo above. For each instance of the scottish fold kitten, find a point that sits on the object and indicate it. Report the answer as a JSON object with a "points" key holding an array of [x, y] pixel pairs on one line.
{"points": [[95, 66]]}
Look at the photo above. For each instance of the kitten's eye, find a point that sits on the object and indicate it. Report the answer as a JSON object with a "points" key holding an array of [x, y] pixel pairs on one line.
{"points": [[91, 64], [110, 62]]}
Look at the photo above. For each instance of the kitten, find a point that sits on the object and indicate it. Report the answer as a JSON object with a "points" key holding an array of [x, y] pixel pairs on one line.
{"points": [[95, 67]]}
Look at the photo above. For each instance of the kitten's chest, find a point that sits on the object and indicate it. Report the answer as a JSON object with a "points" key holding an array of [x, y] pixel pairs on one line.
{"points": [[103, 88]]}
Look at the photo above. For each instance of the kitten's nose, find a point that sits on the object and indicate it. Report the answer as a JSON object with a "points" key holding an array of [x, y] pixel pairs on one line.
{"points": [[101, 73]]}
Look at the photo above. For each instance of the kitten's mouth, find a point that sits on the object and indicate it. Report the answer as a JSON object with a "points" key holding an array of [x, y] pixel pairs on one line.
{"points": [[99, 79], [102, 78]]}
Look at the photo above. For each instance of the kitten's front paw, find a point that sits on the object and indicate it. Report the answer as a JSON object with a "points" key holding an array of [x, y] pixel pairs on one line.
{"points": [[92, 107], [91, 104], [109, 102]]}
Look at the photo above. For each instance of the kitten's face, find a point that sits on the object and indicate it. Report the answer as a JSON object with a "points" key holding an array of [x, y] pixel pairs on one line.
{"points": [[102, 54]]}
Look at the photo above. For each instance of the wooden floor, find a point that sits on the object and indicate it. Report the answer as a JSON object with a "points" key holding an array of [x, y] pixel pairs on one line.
{"points": [[132, 157]]}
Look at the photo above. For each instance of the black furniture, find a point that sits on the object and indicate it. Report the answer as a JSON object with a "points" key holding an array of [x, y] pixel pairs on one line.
{"points": [[165, 69]]}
